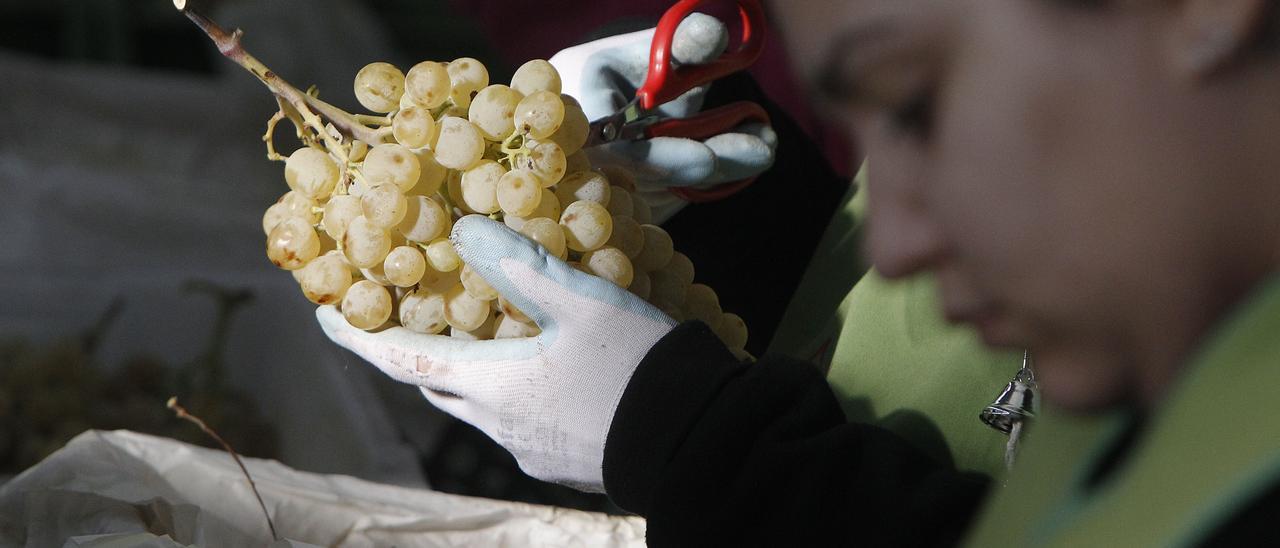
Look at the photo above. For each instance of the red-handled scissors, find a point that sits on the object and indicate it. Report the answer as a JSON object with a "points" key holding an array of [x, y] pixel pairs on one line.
{"points": [[665, 82]]}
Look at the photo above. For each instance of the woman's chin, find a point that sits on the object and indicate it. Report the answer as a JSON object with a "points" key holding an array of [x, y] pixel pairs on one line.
{"points": [[1082, 384]]}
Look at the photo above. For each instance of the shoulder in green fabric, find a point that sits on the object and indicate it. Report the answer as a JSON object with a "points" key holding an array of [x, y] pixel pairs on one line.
{"points": [[890, 357], [1199, 462]]}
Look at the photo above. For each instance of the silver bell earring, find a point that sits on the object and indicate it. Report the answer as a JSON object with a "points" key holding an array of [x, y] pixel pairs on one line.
{"points": [[1015, 406]]}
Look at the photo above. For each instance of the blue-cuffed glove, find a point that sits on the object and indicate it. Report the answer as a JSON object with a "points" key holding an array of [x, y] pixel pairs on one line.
{"points": [[604, 75], [547, 399]]}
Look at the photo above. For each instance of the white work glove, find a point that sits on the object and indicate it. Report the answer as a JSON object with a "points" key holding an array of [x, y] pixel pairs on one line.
{"points": [[549, 399], [604, 75]]}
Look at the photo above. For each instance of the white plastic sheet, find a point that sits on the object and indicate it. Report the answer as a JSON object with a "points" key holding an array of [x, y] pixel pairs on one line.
{"points": [[106, 488]]}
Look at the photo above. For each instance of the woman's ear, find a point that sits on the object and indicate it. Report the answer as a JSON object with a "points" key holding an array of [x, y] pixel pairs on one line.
{"points": [[1209, 35]]}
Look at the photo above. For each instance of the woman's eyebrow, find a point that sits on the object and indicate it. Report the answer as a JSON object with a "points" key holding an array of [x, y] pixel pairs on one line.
{"points": [[836, 75]]}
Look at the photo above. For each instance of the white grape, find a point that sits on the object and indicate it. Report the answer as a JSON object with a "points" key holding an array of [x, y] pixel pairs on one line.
{"points": [[493, 111], [476, 285], [536, 75], [427, 83], [292, 244], [619, 201], [463, 311], [640, 284], [619, 176], [379, 86], [546, 160], [611, 264], [657, 249], [404, 266], [338, 213], [376, 275], [731, 330], [391, 163], [640, 209], [292, 204], [701, 303], [466, 76], [484, 332], [414, 127], [274, 214], [436, 281], [358, 150], [300, 206], [668, 284], [364, 243], [546, 233], [480, 186], [325, 280], [366, 305], [510, 328], [574, 129], [584, 185], [311, 172], [442, 256], [423, 312], [576, 161], [539, 115], [432, 174], [460, 144], [518, 192], [548, 207], [384, 205], [510, 310], [424, 219], [454, 190], [627, 236], [587, 225]]}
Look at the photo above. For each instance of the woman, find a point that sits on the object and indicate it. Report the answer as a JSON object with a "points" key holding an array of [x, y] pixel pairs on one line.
{"points": [[1093, 181]]}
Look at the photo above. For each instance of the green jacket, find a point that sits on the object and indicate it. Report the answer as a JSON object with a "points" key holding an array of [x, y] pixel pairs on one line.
{"points": [[890, 358], [1209, 448]]}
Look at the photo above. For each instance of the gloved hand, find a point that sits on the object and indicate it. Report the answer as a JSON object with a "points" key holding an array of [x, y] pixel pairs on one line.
{"points": [[604, 76], [548, 399]]}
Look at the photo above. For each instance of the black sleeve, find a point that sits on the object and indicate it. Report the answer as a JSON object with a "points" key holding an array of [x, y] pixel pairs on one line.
{"points": [[717, 453], [754, 246]]}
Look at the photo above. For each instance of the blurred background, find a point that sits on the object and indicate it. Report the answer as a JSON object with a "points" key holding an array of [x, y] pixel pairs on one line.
{"points": [[132, 268]]}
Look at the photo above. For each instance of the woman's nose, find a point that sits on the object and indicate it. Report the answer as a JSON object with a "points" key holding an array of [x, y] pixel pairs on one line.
{"points": [[902, 238]]}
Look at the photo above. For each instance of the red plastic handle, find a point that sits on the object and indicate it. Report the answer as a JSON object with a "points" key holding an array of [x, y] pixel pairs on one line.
{"points": [[664, 82], [709, 123]]}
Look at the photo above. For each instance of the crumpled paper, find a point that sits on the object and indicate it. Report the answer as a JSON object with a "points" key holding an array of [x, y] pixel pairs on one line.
{"points": [[120, 488]]}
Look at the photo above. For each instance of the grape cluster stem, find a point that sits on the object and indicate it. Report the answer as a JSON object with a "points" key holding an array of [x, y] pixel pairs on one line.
{"points": [[307, 106], [182, 413]]}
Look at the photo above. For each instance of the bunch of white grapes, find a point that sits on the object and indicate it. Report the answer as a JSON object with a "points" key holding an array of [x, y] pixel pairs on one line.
{"points": [[366, 227]]}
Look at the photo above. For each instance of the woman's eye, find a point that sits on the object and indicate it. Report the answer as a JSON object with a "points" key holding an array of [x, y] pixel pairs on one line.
{"points": [[914, 117]]}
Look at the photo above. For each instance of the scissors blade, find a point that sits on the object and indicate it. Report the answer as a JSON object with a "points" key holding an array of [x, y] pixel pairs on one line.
{"points": [[628, 123]]}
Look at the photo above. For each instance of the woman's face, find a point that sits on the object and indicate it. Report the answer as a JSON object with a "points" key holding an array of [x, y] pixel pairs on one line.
{"points": [[1060, 169]]}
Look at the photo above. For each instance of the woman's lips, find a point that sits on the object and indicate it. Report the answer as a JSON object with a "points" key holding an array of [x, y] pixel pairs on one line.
{"points": [[991, 323]]}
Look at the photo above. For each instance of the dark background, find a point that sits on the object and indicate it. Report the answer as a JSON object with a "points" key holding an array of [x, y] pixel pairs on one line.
{"points": [[99, 365]]}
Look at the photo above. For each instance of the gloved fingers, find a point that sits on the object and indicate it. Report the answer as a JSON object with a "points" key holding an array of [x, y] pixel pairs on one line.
{"points": [[746, 152], [660, 161], [452, 404], [662, 204], [546, 289], [606, 79], [609, 81], [700, 38], [612, 69], [443, 363]]}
